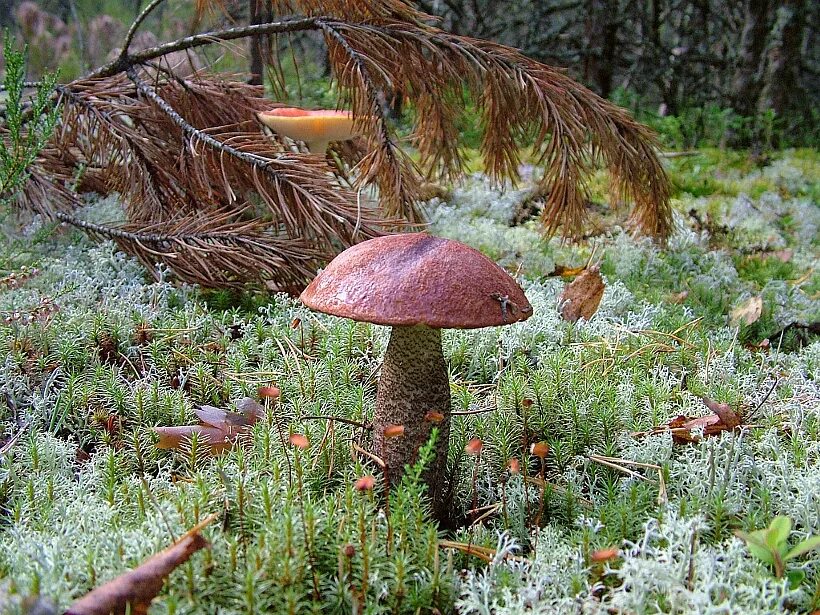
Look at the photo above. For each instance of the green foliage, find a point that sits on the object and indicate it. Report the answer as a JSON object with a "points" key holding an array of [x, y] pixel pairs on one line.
{"points": [[28, 127], [771, 546], [85, 494], [715, 125]]}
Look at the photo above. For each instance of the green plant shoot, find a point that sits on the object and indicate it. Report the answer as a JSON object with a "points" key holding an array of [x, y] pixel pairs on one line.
{"points": [[27, 125], [770, 545]]}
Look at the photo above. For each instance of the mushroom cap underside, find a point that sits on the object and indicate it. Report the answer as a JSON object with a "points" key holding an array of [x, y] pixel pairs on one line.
{"points": [[305, 125], [417, 279]]}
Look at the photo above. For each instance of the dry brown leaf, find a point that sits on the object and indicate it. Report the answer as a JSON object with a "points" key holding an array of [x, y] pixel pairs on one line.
{"points": [[722, 419], [567, 272], [748, 312], [784, 256], [727, 416], [133, 591], [582, 296], [220, 428], [678, 298]]}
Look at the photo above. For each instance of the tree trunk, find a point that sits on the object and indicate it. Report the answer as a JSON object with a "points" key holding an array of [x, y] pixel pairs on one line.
{"points": [[256, 43], [746, 84], [781, 88], [602, 45]]}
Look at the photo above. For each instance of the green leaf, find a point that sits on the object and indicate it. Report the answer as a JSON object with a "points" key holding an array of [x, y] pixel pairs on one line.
{"points": [[810, 544], [757, 546], [778, 531], [795, 577]]}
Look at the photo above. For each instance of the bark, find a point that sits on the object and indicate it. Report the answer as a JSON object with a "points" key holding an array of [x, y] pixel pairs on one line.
{"points": [[413, 382], [746, 83], [781, 89], [602, 41], [256, 43], [602, 36]]}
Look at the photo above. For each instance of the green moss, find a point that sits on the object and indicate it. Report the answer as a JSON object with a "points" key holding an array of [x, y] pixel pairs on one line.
{"points": [[85, 494]]}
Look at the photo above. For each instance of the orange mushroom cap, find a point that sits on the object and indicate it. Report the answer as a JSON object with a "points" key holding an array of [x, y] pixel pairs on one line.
{"points": [[316, 128]]}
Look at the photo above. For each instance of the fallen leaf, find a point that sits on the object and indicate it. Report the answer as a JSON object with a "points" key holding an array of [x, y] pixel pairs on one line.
{"points": [[784, 256], [723, 418], [364, 483], [728, 416], [133, 591], [474, 446], [220, 429], [677, 298], [604, 555], [567, 272], [582, 296], [748, 312]]}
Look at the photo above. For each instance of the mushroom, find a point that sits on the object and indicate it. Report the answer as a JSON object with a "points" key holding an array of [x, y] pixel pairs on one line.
{"points": [[316, 128], [418, 284]]}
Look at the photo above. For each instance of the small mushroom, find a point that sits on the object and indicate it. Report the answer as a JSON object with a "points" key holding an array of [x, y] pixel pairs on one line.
{"points": [[418, 284], [315, 128]]}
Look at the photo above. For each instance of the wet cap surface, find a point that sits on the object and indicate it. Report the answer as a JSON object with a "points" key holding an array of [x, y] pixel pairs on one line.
{"points": [[414, 278]]}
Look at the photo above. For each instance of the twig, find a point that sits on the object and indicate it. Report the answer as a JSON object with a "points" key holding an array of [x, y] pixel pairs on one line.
{"points": [[605, 461], [337, 418], [484, 553], [125, 61], [379, 461], [7, 446], [137, 22], [678, 154], [763, 401], [690, 576], [469, 412]]}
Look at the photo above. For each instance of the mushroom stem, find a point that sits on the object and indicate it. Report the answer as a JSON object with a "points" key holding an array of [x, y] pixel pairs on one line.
{"points": [[413, 382], [317, 147]]}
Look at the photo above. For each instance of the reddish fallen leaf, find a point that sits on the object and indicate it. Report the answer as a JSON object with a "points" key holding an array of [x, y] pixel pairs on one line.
{"points": [[604, 555], [393, 431], [567, 272], [220, 429], [727, 416], [134, 590], [364, 483], [582, 296], [474, 446], [677, 298], [723, 418]]}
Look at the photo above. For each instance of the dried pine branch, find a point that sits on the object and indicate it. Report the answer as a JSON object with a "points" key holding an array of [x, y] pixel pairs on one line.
{"points": [[258, 212], [574, 128], [218, 247], [221, 203]]}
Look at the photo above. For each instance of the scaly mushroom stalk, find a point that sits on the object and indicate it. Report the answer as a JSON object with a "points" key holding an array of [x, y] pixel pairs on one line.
{"points": [[413, 382]]}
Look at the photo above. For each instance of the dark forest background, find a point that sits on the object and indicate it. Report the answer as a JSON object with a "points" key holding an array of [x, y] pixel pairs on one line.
{"points": [[742, 73]]}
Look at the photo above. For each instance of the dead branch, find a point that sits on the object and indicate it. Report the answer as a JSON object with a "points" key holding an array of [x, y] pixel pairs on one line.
{"points": [[208, 194]]}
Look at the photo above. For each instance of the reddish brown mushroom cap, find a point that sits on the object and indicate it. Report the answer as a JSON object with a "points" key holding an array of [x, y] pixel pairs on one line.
{"points": [[417, 279]]}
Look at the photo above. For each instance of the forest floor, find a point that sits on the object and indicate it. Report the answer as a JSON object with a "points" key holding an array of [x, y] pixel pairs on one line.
{"points": [[620, 517]]}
